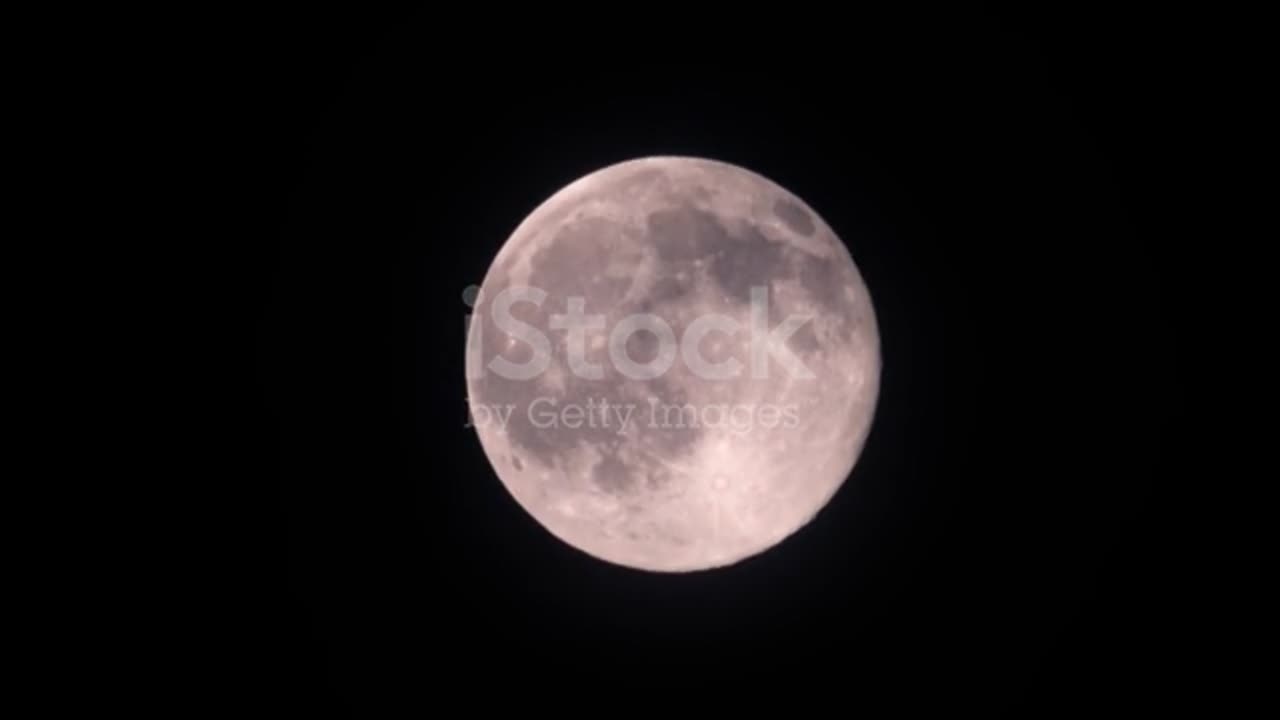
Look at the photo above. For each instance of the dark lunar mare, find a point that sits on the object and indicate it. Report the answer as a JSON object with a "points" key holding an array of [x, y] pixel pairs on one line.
{"points": [[794, 217]]}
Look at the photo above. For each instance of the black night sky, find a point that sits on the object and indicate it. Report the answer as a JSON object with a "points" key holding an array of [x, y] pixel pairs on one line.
{"points": [[997, 545]]}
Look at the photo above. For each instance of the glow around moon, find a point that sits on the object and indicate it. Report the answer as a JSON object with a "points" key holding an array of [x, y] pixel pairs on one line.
{"points": [[673, 364]]}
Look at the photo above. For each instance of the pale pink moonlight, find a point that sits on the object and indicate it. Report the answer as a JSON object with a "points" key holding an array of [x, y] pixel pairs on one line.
{"points": [[673, 364]]}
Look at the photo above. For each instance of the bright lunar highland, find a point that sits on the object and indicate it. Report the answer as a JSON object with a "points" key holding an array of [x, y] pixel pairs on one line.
{"points": [[673, 364]]}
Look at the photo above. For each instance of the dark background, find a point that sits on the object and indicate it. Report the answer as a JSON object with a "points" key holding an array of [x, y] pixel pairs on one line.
{"points": [[1001, 541]]}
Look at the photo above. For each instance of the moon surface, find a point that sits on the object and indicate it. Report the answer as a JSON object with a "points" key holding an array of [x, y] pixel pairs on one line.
{"points": [[673, 364]]}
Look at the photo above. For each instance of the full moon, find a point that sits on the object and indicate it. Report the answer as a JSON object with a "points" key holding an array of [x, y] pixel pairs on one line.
{"points": [[673, 364]]}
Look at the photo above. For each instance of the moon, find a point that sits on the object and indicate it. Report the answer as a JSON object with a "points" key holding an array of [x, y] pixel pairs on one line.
{"points": [[673, 364]]}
